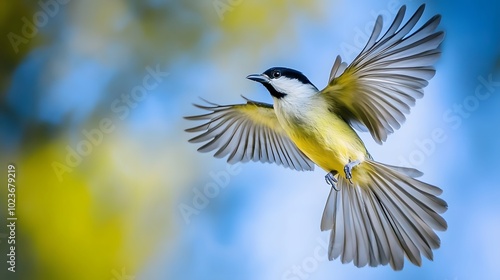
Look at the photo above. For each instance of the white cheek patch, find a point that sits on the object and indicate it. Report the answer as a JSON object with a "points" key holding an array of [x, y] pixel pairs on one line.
{"points": [[293, 87]]}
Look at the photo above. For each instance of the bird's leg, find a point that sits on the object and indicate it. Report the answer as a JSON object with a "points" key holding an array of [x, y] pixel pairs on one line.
{"points": [[331, 180], [348, 169]]}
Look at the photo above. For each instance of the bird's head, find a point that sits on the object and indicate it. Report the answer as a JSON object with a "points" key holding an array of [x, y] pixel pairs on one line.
{"points": [[285, 83]]}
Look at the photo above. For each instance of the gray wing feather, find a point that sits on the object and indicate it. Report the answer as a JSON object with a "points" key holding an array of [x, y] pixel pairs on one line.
{"points": [[383, 82], [247, 132]]}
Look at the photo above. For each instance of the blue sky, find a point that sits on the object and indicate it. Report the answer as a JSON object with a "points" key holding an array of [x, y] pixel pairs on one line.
{"points": [[265, 221]]}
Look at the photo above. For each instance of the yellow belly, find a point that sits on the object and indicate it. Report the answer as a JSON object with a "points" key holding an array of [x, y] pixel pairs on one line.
{"points": [[327, 140]]}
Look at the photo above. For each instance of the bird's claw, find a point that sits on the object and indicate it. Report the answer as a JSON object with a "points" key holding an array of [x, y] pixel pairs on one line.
{"points": [[348, 169], [331, 180]]}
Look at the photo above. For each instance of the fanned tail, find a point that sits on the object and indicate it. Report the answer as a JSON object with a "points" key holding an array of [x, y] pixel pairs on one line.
{"points": [[381, 221]]}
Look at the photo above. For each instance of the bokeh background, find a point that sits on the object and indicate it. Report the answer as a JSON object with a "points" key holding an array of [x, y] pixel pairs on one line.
{"points": [[115, 211]]}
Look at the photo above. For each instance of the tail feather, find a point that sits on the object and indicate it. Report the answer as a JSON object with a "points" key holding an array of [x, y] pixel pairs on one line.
{"points": [[412, 172], [379, 223]]}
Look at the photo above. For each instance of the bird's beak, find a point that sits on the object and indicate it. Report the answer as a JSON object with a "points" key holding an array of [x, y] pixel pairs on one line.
{"points": [[261, 78]]}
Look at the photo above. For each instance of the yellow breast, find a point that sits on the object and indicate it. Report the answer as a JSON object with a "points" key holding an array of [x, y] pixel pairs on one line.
{"points": [[325, 138]]}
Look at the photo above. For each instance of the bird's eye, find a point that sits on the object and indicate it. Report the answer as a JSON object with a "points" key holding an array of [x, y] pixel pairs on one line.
{"points": [[276, 74]]}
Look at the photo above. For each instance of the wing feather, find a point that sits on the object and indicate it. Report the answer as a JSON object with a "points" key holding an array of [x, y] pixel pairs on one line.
{"points": [[246, 132], [383, 82]]}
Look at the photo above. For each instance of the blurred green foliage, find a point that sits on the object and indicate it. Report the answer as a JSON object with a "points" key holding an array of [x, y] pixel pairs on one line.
{"points": [[112, 210], [11, 13]]}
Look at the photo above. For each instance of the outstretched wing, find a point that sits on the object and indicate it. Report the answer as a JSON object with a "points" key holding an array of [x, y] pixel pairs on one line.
{"points": [[378, 88], [246, 132]]}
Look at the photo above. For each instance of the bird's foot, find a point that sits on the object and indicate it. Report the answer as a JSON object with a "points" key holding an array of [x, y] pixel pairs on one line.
{"points": [[348, 169], [331, 180]]}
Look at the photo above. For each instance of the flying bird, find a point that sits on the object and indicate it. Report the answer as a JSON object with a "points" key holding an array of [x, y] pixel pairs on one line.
{"points": [[377, 213]]}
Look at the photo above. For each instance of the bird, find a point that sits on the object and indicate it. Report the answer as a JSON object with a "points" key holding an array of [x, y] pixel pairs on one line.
{"points": [[377, 214]]}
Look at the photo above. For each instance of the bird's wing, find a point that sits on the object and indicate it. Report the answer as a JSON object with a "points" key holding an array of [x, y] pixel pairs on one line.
{"points": [[378, 88], [246, 132]]}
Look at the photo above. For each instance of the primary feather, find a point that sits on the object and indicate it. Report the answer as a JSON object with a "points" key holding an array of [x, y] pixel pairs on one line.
{"points": [[246, 132], [378, 88]]}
